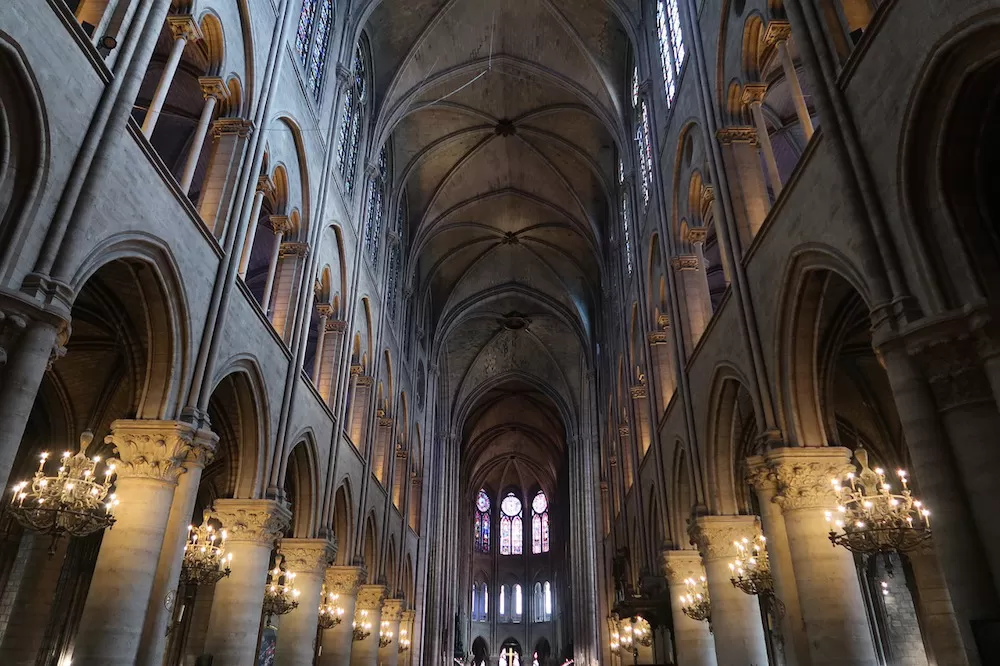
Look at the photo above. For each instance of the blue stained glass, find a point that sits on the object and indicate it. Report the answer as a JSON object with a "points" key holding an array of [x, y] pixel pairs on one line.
{"points": [[504, 535], [393, 284], [350, 124], [666, 55], [304, 30], [317, 60]]}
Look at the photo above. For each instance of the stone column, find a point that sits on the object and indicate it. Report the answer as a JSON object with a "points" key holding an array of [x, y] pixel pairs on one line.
{"points": [[308, 559], [34, 598], [406, 633], [184, 30], [739, 144], [214, 89], [663, 366], [780, 559], [152, 454], [325, 312], [779, 33], [280, 224], [693, 640], [253, 527], [168, 568], [942, 638], [753, 97], [392, 612], [736, 619], [218, 187], [264, 187], [833, 609], [338, 642], [370, 599]]}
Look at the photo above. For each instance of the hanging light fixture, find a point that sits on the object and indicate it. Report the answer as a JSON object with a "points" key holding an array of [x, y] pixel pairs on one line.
{"points": [[75, 501], [616, 640], [872, 518], [362, 626], [205, 557], [404, 641], [330, 614], [695, 602], [384, 635], [642, 633], [280, 595], [751, 569]]}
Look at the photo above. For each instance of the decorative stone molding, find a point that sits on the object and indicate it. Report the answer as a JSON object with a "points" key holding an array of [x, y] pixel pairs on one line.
{"points": [[203, 446], [392, 610], [336, 325], [308, 555], [624, 430], [345, 581], [279, 224], [293, 250], [401, 453], [371, 597], [663, 321], [697, 234], [731, 135], [777, 31], [366, 380], [759, 476], [954, 372], [679, 565], [685, 263], [154, 449], [803, 475], [505, 128], [408, 617], [17, 315], [356, 370], [753, 93], [266, 185], [240, 128], [213, 86], [385, 422], [324, 310], [259, 522], [658, 338], [184, 27], [714, 535], [707, 198], [344, 73], [639, 392]]}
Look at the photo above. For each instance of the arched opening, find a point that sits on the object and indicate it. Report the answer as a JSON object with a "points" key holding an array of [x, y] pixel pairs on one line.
{"points": [[342, 528]]}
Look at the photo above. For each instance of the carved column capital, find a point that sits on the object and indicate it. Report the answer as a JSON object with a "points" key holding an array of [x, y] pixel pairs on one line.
{"points": [[803, 475], [777, 31], [336, 325], [308, 555], [760, 476], [696, 234], [213, 86], [266, 185], [715, 535], [371, 597], [184, 27], [663, 321], [657, 338], [157, 449], [260, 522], [685, 263], [239, 127], [392, 610], [731, 135], [293, 250], [753, 93], [638, 392], [624, 430], [345, 581], [679, 565], [279, 223], [366, 380], [324, 310]]}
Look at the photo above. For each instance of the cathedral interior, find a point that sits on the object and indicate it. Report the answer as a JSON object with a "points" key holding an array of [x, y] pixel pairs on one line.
{"points": [[499, 332]]}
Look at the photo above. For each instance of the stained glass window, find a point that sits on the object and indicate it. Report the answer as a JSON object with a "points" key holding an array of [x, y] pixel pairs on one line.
{"points": [[502, 606], [672, 51], [312, 39], [548, 600], [349, 135], [635, 87], [376, 208], [511, 528], [539, 523], [626, 218], [482, 522]]}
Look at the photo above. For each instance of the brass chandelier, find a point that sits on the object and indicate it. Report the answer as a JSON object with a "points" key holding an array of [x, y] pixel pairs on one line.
{"points": [[404, 641], [280, 595], [330, 614], [751, 570], [205, 557], [871, 517], [75, 501], [361, 627], [695, 602], [384, 635]]}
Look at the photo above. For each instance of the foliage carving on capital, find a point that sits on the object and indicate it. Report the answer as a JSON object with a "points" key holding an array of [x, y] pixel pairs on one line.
{"points": [[638, 392], [730, 135], [658, 338], [392, 610], [183, 26], [679, 565], [714, 535], [804, 475], [154, 449], [366, 380], [753, 93], [663, 321], [371, 597], [336, 325], [777, 31], [759, 474], [293, 250], [685, 263], [240, 127], [624, 430], [697, 234], [308, 555], [259, 522], [345, 581]]}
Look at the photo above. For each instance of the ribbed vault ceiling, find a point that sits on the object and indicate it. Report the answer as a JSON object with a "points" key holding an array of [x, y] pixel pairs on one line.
{"points": [[503, 117]]}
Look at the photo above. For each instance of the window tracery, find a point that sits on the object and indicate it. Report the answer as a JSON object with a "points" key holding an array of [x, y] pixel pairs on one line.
{"points": [[672, 50], [511, 526], [482, 535], [539, 523], [376, 208], [626, 217], [349, 135], [312, 39]]}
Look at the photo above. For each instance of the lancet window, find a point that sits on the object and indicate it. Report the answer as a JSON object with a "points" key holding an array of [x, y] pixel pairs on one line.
{"points": [[376, 208], [511, 526], [539, 523], [672, 51], [482, 529], [349, 135], [312, 39]]}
